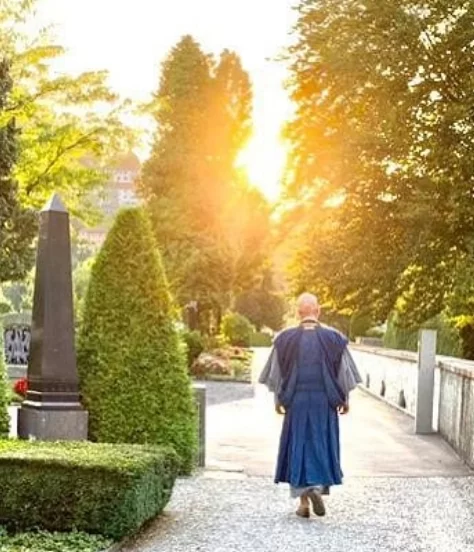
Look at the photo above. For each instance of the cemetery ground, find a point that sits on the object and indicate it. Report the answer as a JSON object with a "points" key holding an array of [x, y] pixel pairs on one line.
{"points": [[402, 492]]}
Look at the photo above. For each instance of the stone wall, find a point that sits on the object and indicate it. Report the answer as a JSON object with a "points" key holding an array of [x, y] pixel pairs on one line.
{"points": [[456, 412], [393, 376]]}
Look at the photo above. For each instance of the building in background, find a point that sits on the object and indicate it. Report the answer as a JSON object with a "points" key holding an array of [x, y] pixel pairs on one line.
{"points": [[119, 192]]}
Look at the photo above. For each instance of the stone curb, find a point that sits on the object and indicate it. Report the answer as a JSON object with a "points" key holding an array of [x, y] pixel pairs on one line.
{"points": [[117, 546], [385, 401]]}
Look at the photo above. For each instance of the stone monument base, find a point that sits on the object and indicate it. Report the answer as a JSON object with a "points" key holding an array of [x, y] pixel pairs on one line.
{"points": [[52, 425]]}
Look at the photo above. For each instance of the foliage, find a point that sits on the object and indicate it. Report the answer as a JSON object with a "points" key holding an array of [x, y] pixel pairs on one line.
{"points": [[42, 541], [262, 306], [20, 294], [406, 338], [128, 346], [194, 345], [80, 282], [260, 339], [212, 226], [236, 329], [4, 393], [70, 125], [378, 333], [361, 323], [380, 153], [5, 303], [109, 490], [17, 225]]}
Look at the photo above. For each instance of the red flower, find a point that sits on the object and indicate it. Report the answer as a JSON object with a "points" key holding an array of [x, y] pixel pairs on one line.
{"points": [[21, 387]]}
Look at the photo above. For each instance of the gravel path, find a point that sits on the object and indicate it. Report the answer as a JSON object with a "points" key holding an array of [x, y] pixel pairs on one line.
{"points": [[366, 515], [403, 492]]}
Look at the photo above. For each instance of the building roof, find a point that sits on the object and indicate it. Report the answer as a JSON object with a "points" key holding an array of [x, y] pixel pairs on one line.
{"points": [[128, 162]]}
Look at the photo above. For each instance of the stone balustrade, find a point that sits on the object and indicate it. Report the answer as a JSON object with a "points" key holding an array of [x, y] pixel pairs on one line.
{"points": [[393, 376]]}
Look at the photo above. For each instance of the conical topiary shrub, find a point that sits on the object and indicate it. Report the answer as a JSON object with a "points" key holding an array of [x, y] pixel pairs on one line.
{"points": [[4, 417], [132, 368]]}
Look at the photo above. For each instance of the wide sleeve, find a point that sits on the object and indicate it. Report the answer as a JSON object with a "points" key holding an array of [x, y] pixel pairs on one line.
{"points": [[271, 374], [348, 376]]}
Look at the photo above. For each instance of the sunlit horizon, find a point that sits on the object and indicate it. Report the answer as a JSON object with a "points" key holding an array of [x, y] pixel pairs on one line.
{"points": [[131, 39]]}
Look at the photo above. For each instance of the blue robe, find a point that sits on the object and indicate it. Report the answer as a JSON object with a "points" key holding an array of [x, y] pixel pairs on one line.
{"points": [[310, 379]]}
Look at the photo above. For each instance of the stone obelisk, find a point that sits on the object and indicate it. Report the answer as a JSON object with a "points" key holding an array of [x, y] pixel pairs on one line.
{"points": [[52, 410]]}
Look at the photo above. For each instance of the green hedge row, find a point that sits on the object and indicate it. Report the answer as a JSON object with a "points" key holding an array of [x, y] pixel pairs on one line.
{"points": [[261, 339], [108, 490], [42, 541]]}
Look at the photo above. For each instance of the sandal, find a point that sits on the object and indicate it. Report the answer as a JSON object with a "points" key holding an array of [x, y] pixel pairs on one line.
{"points": [[303, 512], [317, 503]]}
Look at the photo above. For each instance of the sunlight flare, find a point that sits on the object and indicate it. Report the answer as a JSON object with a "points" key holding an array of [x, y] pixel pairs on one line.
{"points": [[264, 161]]}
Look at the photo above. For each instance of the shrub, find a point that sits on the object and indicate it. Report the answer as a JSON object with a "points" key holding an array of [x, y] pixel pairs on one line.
{"points": [[4, 392], [194, 345], [360, 325], [109, 490], [132, 367], [377, 333], [236, 329], [400, 337], [42, 541], [212, 342], [260, 339]]}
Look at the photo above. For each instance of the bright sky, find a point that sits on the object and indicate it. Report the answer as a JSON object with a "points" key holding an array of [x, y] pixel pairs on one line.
{"points": [[130, 39]]}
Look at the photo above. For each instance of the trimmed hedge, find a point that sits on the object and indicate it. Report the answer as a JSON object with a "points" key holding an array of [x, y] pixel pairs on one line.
{"points": [[4, 392], [108, 490], [261, 339], [42, 541], [132, 367]]}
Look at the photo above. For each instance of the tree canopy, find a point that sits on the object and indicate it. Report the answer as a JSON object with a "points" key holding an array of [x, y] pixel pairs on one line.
{"points": [[381, 153], [70, 126], [17, 224]]}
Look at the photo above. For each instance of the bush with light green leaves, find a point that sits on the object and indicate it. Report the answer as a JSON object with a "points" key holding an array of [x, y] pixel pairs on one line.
{"points": [[237, 329]]}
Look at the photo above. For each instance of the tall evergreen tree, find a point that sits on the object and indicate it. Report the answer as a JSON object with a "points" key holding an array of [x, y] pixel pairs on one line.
{"points": [[17, 225], [196, 195]]}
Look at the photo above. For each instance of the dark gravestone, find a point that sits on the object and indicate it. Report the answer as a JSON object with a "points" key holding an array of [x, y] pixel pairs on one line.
{"points": [[51, 410]]}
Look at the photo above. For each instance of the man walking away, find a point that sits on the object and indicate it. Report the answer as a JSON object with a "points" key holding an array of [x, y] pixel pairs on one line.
{"points": [[311, 373]]}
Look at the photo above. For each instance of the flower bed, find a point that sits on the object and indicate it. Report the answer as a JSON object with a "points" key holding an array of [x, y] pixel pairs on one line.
{"points": [[108, 490], [226, 364]]}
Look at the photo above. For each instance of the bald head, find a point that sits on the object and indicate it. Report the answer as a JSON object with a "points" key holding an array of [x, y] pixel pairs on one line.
{"points": [[307, 306]]}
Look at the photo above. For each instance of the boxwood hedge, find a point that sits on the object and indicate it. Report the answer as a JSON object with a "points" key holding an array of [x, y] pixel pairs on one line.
{"points": [[132, 366], [42, 541], [108, 490]]}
